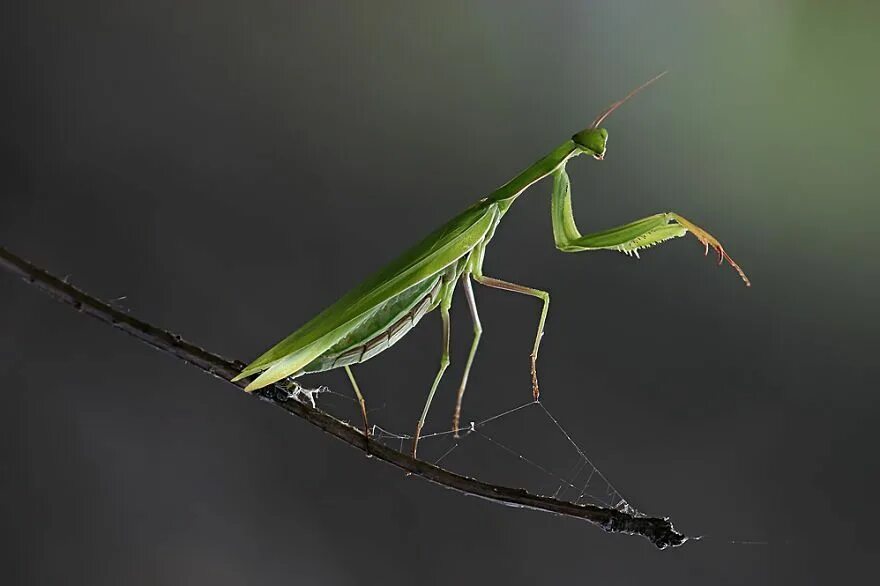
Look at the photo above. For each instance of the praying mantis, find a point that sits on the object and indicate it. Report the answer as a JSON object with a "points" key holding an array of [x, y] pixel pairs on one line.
{"points": [[379, 312]]}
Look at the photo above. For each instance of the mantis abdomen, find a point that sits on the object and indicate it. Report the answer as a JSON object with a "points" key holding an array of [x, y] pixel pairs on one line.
{"points": [[381, 330]]}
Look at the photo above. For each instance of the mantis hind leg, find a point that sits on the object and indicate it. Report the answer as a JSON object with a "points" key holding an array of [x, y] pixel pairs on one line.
{"points": [[544, 297], [360, 398], [445, 303], [478, 332]]}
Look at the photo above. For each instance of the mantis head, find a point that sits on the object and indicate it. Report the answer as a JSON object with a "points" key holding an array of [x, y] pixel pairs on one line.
{"points": [[592, 140]]}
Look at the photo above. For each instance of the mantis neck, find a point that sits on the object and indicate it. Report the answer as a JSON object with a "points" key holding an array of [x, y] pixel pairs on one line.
{"points": [[507, 193]]}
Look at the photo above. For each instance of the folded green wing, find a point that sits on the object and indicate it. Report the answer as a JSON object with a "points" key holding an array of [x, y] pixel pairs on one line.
{"points": [[431, 255]]}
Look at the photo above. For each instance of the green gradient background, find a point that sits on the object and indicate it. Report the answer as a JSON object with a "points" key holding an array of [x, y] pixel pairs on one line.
{"points": [[232, 167]]}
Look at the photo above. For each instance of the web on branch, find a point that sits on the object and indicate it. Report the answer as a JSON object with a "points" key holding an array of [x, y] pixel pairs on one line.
{"points": [[545, 459]]}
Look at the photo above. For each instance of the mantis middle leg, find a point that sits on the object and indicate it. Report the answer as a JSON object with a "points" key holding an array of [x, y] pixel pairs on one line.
{"points": [[478, 332], [543, 296]]}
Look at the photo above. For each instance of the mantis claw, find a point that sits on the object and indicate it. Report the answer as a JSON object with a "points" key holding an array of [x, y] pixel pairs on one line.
{"points": [[708, 240]]}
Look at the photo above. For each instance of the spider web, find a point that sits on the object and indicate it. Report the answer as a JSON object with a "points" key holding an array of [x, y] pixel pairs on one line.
{"points": [[494, 447]]}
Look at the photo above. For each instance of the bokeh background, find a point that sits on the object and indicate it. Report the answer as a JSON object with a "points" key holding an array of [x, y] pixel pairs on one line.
{"points": [[230, 168]]}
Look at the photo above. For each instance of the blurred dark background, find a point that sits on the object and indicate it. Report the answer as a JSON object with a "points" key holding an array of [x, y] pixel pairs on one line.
{"points": [[230, 168]]}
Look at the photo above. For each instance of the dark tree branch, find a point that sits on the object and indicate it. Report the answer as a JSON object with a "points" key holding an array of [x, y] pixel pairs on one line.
{"points": [[659, 531]]}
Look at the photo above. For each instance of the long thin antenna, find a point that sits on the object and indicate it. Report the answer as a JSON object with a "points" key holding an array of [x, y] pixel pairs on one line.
{"points": [[610, 109]]}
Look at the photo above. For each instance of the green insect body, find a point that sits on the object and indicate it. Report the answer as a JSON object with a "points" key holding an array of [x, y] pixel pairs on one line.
{"points": [[392, 320], [381, 310], [420, 264]]}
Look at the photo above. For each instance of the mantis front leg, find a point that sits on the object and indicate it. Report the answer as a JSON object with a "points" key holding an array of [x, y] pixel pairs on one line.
{"points": [[629, 238]]}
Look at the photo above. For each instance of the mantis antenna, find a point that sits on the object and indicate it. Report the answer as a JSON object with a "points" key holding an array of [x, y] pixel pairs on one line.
{"points": [[610, 109]]}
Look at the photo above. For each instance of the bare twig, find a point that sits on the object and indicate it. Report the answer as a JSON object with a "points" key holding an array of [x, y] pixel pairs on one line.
{"points": [[659, 531]]}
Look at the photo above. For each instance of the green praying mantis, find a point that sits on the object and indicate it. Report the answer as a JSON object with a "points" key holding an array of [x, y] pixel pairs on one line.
{"points": [[383, 309]]}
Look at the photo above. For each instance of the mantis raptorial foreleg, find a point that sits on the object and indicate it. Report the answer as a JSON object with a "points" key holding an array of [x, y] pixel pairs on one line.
{"points": [[628, 238], [445, 304], [360, 398], [543, 296], [478, 332]]}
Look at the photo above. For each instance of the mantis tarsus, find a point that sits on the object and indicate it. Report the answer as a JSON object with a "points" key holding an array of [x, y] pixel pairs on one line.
{"points": [[381, 310]]}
